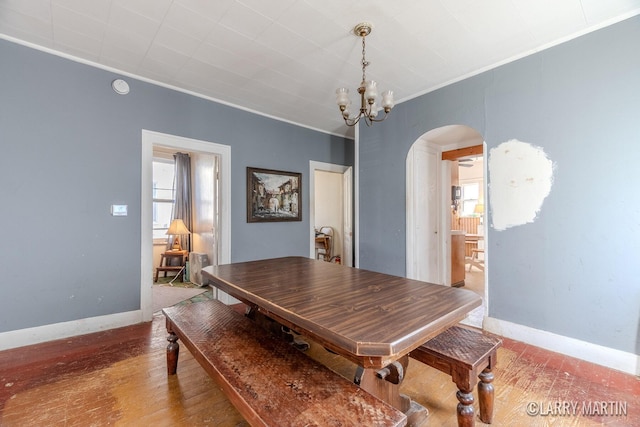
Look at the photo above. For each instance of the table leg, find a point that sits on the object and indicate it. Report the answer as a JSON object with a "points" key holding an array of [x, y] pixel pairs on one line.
{"points": [[389, 391], [173, 350]]}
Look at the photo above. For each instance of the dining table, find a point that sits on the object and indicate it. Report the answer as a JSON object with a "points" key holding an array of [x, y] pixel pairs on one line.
{"points": [[370, 318]]}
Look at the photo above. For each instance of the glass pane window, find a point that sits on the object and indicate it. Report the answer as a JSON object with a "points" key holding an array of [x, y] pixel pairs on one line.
{"points": [[470, 196], [163, 196]]}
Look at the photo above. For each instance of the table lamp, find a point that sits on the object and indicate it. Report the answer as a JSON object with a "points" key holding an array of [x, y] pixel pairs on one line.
{"points": [[177, 229]]}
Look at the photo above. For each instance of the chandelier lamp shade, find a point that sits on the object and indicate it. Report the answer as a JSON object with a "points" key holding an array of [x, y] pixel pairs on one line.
{"points": [[370, 101]]}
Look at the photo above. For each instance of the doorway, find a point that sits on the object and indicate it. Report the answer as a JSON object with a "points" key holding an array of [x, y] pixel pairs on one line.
{"points": [[203, 150], [430, 221], [331, 204]]}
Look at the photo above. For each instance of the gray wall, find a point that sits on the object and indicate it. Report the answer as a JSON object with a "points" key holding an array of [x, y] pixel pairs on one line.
{"points": [[71, 147], [574, 271]]}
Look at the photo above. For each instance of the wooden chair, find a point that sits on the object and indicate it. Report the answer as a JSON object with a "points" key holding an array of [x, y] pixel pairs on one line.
{"points": [[475, 261], [324, 243]]}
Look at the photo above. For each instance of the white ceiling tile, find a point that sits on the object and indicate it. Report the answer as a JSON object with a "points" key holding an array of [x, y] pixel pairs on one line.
{"points": [[244, 20], [114, 53], [598, 10], [194, 68], [491, 26], [231, 41], [127, 40], [31, 28], [38, 9], [545, 25], [124, 19], [28, 37], [152, 9], [272, 10], [212, 10], [348, 14], [125, 67], [211, 72], [272, 78], [81, 25], [63, 36], [177, 41], [163, 54], [84, 48], [274, 56], [324, 62], [188, 21], [157, 71], [221, 58], [285, 41], [166, 68], [321, 30], [96, 9]]}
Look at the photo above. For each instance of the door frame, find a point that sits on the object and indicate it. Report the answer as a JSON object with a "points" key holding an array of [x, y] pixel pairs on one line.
{"points": [[443, 184], [149, 140], [347, 204]]}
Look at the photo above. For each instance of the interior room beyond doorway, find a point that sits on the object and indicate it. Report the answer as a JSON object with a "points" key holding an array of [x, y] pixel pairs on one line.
{"points": [[467, 217]]}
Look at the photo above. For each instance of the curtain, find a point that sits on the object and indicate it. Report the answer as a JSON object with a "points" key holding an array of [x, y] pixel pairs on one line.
{"points": [[182, 205]]}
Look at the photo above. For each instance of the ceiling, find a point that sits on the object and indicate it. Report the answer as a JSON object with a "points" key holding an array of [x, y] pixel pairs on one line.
{"points": [[285, 58]]}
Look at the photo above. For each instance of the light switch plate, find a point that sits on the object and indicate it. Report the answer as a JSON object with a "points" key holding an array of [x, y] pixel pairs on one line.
{"points": [[119, 210]]}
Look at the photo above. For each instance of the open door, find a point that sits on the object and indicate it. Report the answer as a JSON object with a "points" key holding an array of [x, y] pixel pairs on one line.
{"points": [[424, 253], [347, 195], [342, 199]]}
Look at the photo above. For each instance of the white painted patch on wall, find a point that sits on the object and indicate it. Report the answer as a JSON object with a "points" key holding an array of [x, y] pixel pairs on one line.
{"points": [[520, 178]]}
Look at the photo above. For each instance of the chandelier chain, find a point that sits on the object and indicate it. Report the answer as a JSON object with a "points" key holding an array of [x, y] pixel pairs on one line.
{"points": [[364, 60]]}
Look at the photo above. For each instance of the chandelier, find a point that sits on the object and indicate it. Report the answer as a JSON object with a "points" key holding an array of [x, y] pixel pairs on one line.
{"points": [[370, 102]]}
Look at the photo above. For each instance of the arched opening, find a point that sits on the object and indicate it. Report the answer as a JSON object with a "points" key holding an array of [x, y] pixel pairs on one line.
{"points": [[436, 219]]}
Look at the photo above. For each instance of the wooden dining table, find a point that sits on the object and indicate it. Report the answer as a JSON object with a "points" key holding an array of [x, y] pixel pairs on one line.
{"points": [[372, 319]]}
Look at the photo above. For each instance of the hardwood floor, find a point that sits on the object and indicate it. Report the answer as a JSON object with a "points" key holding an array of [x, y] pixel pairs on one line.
{"points": [[118, 377]]}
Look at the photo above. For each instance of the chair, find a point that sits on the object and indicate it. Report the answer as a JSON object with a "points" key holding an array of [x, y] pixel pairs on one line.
{"points": [[324, 243], [475, 261]]}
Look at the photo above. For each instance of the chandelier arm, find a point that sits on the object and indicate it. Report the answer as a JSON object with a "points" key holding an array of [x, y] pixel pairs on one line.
{"points": [[353, 121]]}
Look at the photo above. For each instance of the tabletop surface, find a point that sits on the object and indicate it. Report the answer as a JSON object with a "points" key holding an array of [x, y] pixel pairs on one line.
{"points": [[374, 317]]}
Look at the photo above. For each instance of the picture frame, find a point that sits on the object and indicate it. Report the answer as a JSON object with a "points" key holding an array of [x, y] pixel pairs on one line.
{"points": [[273, 195]]}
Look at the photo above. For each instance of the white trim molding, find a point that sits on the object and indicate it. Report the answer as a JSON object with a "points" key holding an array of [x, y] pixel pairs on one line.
{"points": [[594, 353], [149, 140], [56, 331]]}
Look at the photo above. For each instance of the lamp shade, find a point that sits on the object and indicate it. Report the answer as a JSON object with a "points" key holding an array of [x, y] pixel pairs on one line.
{"points": [[177, 228], [479, 209]]}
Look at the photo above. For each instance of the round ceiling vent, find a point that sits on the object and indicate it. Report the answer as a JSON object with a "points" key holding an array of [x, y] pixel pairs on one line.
{"points": [[120, 86]]}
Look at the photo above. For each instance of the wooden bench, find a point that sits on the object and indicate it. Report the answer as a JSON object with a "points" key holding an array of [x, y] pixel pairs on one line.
{"points": [[464, 354], [268, 380]]}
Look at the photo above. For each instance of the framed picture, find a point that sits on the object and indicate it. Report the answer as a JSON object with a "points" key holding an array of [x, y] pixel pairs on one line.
{"points": [[273, 195]]}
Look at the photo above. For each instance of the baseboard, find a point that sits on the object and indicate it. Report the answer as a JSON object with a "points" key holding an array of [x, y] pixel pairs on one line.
{"points": [[55, 331], [594, 353]]}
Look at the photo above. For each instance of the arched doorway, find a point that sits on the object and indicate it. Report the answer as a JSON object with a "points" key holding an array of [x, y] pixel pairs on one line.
{"points": [[429, 201]]}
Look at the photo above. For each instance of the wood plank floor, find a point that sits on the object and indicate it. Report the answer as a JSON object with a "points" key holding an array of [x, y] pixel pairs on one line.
{"points": [[118, 377]]}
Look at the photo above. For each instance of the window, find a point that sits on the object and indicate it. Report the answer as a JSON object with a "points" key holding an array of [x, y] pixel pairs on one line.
{"points": [[163, 197], [470, 197]]}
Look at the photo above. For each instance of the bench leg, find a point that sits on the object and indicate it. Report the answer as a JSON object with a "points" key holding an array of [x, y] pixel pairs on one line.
{"points": [[465, 409], [173, 350], [485, 395]]}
